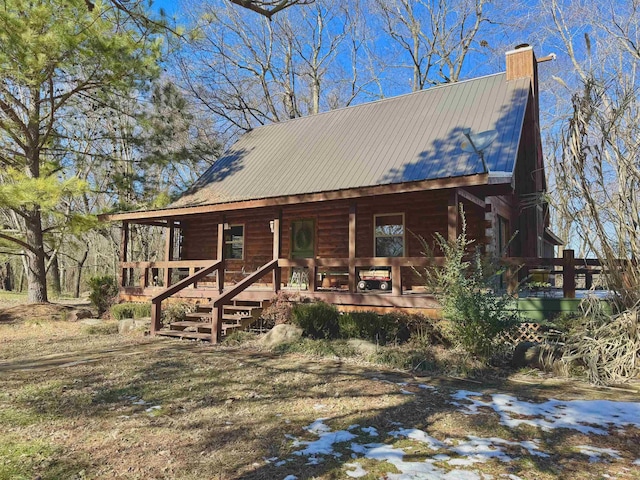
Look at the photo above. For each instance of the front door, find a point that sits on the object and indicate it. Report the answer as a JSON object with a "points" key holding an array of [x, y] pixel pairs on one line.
{"points": [[303, 235]]}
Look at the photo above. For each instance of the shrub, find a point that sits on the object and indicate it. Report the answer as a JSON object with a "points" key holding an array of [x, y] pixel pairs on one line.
{"points": [[130, 310], [373, 327], [279, 311], [568, 322], [425, 331], [176, 312], [103, 292], [478, 316], [317, 320]]}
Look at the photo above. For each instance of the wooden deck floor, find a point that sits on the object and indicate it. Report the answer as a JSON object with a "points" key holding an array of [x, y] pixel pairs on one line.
{"points": [[344, 300]]}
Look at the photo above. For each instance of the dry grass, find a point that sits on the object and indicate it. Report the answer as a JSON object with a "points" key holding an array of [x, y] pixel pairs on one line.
{"points": [[71, 407]]}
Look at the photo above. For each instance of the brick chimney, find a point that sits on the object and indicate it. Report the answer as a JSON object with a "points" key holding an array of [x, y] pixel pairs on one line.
{"points": [[521, 63]]}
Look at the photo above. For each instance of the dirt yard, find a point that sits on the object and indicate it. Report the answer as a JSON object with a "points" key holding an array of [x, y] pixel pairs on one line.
{"points": [[76, 404]]}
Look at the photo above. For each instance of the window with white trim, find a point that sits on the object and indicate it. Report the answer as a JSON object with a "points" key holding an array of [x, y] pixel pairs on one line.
{"points": [[234, 242], [388, 235]]}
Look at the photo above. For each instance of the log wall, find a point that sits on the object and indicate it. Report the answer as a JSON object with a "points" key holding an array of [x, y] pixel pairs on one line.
{"points": [[425, 214]]}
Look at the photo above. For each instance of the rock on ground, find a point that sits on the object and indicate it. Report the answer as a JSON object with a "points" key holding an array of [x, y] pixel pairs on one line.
{"points": [[281, 334], [127, 325], [79, 314], [538, 355]]}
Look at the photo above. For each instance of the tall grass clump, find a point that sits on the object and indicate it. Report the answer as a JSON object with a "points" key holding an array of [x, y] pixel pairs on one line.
{"points": [[130, 310], [376, 328]]}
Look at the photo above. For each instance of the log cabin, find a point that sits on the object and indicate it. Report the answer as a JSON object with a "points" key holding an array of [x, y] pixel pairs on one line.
{"points": [[332, 206]]}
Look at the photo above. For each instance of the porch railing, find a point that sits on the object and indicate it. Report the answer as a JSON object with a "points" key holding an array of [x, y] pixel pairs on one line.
{"points": [[156, 274], [568, 268]]}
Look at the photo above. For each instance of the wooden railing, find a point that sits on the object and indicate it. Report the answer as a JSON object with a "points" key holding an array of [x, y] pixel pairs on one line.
{"points": [[566, 267], [156, 302], [146, 279], [350, 265], [224, 298]]}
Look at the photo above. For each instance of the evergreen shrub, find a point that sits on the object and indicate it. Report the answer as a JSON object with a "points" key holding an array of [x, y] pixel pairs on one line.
{"points": [[317, 320], [104, 290]]}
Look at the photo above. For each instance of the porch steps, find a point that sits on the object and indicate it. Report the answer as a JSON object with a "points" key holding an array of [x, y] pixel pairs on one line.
{"points": [[240, 315]]}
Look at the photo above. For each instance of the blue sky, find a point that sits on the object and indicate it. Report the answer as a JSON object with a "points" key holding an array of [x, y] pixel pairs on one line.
{"points": [[170, 7]]}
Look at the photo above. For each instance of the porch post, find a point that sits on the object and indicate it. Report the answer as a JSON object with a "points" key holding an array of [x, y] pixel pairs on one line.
{"points": [[452, 216], [216, 312], [353, 281], [568, 274], [124, 253], [216, 327], [220, 256], [276, 252], [396, 280], [168, 253]]}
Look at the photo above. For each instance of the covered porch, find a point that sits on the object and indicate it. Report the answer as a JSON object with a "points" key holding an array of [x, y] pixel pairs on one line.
{"points": [[356, 253]]}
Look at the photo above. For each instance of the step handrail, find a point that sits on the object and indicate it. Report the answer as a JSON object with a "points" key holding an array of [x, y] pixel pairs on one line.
{"points": [[156, 302], [244, 283], [182, 284]]}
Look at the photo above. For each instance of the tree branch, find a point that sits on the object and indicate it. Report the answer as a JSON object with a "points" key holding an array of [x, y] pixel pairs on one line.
{"points": [[17, 241], [269, 8]]}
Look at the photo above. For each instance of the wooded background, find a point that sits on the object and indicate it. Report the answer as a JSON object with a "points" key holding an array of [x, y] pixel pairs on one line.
{"points": [[110, 106]]}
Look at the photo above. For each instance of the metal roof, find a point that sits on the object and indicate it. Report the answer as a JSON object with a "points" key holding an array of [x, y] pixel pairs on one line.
{"points": [[408, 138]]}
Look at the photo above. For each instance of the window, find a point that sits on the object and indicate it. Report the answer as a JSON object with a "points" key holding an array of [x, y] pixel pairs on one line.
{"points": [[234, 242], [389, 235]]}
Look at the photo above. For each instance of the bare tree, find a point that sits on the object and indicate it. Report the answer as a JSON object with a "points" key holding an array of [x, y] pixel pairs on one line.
{"points": [[596, 172], [435, 35], [249, 71], [600, 172]]}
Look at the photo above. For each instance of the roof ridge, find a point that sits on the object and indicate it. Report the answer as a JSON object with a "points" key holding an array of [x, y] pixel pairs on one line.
{"points": [[380, 100]]}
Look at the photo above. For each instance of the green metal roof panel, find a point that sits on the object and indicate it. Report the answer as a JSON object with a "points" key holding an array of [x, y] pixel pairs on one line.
{"points": [[408, 138]]}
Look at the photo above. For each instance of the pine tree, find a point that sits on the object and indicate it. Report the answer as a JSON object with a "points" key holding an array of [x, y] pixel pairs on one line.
{"points": [[58, 58]]}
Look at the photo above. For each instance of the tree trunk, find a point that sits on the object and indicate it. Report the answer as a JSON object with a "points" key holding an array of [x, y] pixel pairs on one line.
{"points": [[5, 277], [22, 272], [56, 286], [36, 273], [76, 292], [35, 255]]}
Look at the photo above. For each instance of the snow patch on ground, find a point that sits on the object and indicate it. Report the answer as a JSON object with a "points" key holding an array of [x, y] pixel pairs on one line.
{"points": [[478, 449], [595, 454], [324, 444], [419, 436], [371, 431], [586, 416], [426, 387], [357, 471]]}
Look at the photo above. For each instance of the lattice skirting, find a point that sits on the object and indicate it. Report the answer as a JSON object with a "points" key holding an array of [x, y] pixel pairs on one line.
{"points": [[531, 332]]}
